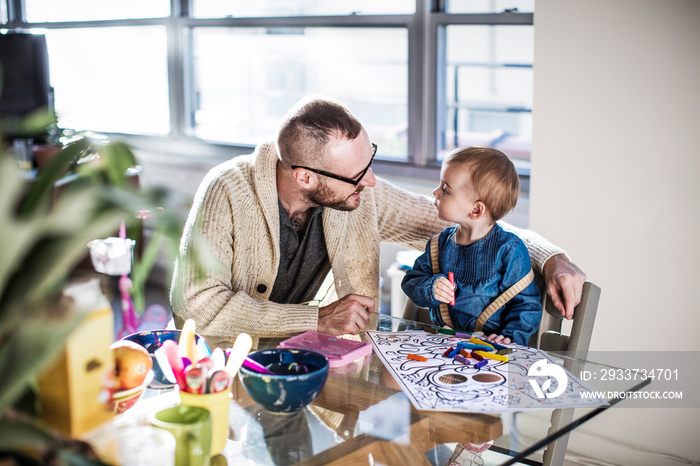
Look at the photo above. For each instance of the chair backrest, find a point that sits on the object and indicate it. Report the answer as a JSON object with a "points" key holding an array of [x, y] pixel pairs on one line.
{"points": [[550, 336]]}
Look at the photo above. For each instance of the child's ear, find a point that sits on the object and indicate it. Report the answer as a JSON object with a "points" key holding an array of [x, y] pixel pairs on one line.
{"points": [[478, 209]]}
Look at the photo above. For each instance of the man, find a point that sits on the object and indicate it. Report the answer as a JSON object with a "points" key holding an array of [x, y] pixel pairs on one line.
{"points": [[280, 219]]}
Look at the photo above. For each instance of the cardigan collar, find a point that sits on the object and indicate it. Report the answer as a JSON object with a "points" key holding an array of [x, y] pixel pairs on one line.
{"points": [[334, 221]]}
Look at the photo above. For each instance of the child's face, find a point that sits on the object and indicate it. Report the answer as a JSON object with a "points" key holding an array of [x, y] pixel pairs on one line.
{"points": [[454, 198]]}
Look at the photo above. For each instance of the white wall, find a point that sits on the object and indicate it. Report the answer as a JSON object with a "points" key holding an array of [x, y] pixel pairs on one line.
{"points": [[616, 182]]}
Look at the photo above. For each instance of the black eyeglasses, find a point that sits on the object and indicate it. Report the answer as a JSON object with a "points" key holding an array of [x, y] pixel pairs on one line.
{"points": [[354, 182]]}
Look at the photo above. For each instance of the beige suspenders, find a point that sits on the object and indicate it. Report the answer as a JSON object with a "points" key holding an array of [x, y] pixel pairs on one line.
{"points": [[434, 249], [499, 302]]}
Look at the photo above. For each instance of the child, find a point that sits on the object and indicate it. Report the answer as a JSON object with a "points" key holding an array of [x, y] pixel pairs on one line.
{"points": [[478, 186]]}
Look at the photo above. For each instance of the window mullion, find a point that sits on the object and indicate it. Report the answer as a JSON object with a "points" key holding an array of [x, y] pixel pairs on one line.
{"points": [[15, 11], [431, 83], [177, 61]]}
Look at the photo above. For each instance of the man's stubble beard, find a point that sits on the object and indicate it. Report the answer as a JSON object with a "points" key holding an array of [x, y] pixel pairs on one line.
{"points": [[325, 197]]}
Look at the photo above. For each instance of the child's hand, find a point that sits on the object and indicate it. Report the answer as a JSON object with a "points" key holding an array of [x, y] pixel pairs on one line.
{"points": [[500, 339], [443, 290]]}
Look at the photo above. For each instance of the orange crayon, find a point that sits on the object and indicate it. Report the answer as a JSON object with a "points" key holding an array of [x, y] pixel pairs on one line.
{"points": [[417, 357]]}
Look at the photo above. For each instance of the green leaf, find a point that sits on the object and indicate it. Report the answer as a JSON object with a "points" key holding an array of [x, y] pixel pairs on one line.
{"points": [[38, 121], [42, 189], [118, 158], [16, 433], [143, 267]]}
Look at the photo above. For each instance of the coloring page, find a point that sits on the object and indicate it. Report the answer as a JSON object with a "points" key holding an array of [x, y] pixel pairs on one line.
{"points": [[441, 383]]}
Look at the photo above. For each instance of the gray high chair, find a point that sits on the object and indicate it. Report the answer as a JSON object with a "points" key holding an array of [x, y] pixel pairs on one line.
{"points": [[551, 337]]}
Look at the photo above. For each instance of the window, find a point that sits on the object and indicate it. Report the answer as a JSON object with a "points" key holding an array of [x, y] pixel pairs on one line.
{"points": [[116, 80], [268, 8], [247, 78], [424, 76], [90, 10], [490, 6], [488, 83]]}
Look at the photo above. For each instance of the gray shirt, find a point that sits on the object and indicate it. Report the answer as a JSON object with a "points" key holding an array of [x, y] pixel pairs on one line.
{"points": [[304, 261]]}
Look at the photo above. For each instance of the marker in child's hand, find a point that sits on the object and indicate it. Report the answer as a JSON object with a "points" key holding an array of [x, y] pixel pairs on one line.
{"points": [[451, 277]]}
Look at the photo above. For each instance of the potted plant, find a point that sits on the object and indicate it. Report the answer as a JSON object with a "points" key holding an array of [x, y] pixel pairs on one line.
{"points": [[43, 237]]}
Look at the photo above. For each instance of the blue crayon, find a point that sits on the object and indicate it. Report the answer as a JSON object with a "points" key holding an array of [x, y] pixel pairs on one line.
{"points": [[481, 363], [472, 346], [453, 353], [495, 345]]}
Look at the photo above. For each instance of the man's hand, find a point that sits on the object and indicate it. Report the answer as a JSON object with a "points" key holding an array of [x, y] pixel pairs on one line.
{"points": [[348, 315], [564, 282]]}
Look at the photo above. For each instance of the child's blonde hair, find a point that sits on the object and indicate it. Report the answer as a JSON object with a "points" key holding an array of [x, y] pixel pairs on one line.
{"points": [[492, 175]]}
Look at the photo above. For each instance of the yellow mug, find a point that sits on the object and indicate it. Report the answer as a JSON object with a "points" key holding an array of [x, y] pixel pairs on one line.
{"points": [[218, 405]]}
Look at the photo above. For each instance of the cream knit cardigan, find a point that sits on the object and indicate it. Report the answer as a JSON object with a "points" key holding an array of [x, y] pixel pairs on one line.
{"points": [[236, 211]]}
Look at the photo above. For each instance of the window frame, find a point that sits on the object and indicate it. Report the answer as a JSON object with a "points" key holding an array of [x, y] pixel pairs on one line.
{"points": [[426, 73]]}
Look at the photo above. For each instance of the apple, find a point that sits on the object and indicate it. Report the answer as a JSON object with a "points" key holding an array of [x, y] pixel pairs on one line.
{"points": [[132, 363]]}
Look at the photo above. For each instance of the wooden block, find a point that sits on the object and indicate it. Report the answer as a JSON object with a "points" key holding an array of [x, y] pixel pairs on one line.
{"points": [[68, 391]]}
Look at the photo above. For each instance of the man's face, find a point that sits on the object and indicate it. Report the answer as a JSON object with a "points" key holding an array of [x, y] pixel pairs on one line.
{"points": [[349, 159]]}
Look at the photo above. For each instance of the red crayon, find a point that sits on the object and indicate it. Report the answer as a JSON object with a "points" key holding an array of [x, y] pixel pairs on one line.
{"points": [[451, 276]]}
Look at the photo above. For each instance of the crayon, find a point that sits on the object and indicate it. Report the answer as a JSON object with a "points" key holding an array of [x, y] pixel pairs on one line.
{"points": [[447, 331], [451, 277], [495, 345], [462, 335], [505, 351], [497, 357], [472, 346], [417, 357], [476, 341], [481, 363], [462, 359], [431, 329]]}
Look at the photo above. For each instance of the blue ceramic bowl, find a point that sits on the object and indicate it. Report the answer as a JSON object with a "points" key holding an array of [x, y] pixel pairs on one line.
{"points": [[151, 340], [300, 377]]}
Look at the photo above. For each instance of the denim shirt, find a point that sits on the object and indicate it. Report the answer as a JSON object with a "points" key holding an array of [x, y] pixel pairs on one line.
{"points": [[482, 271]]}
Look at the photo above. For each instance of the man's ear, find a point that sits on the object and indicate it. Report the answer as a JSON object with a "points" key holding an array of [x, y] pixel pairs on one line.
{"points": [[478, 209], [303, 177]]}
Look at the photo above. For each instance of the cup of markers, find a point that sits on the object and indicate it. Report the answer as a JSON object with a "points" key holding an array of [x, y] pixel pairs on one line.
{"points": [[203, 379]]}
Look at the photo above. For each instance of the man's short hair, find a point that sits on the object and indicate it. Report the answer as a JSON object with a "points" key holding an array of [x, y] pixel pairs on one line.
{"points": [[309, 125], [492, 176]]}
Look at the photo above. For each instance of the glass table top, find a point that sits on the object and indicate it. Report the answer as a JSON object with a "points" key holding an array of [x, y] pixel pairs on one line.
{"points": [[361, 416]]}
